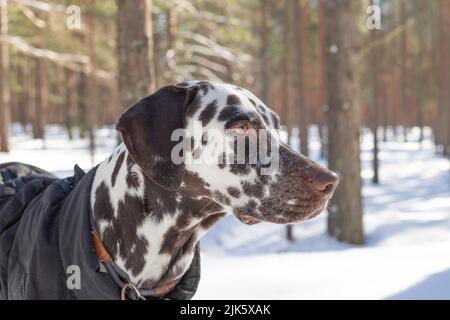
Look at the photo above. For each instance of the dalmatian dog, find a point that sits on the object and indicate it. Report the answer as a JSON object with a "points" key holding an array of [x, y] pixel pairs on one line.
{"points": [[150, 211]]}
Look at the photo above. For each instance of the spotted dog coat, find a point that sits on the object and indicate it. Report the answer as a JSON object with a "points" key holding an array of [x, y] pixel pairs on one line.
{"points": [[150, 212]]}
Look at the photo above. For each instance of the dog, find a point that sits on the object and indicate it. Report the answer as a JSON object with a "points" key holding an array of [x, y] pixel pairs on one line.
{"points": [[150, 212], [129, 228]]}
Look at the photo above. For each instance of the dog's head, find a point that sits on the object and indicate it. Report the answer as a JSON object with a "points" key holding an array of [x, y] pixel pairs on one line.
{"points": [[228, 139]]}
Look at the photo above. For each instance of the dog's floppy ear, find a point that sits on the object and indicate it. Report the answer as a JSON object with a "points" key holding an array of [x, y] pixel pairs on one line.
{"points": [[146, 130]]}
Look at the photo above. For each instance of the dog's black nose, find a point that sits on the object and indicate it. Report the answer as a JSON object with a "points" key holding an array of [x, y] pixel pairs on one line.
{"points": [[321, 179]]}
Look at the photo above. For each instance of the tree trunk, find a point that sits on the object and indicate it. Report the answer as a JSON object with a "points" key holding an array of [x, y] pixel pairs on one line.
{"points": [[170, 65], [5, 111], [41, 98], [288, 103], [421, 12], [403, 71], [264, 50], [31, 94], [22, 99], [321, 81], [446, 110], [375, 159], [443, 128], [307, 67], [171, 26], [135, 50], [346, 216], [70, 103], [81, 99], [376, 59], [91, 89], [300, 52]]}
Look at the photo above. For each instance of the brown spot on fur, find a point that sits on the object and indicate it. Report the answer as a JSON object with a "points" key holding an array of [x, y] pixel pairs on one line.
{"points": [[174, 239], [132, 180], [102, 206], [234, 192], [228, 112], [211, 220], [240, 169], [208, 113], [117, 168], [276, 122], [160, 201], [233, 99], [252, 190], [266, 119], [169, 240], [205, 86], [131, 248], [194, 184], [136, 261]]}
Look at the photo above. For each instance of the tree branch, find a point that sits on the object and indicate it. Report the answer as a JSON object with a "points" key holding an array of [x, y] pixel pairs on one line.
{"points": [[43, 6], [31, 16], [75, 62]]}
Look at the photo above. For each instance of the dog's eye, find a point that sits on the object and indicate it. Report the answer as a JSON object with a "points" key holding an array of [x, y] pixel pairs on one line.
{"points": [[242, 127]]}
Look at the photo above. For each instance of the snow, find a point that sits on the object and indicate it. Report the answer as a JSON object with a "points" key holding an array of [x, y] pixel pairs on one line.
{"points": [[57, 154], [406, 222]]}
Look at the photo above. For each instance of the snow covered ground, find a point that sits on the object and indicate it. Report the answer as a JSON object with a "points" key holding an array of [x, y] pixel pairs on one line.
{"points": [[407, 226]]}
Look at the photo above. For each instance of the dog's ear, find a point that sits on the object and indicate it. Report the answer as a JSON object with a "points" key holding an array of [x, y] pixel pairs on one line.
{"points": [[146, 130]]}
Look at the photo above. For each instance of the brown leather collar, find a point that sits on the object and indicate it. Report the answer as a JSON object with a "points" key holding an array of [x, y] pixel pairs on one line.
{"points": [[127, 288], [100, 250]]}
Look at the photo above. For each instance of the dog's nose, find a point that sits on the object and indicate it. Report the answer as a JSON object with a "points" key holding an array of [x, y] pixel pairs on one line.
{"points": [[322, 180]]}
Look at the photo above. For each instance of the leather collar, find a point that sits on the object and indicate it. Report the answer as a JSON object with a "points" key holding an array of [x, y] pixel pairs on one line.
{"points": [[128, 290]]}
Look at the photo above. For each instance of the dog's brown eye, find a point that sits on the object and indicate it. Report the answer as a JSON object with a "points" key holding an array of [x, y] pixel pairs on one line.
{"points": [[243, 127]]}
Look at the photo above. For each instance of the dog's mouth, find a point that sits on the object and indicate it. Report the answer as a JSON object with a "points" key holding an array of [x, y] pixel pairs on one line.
{"points": [[286, 216], [248, 218]]}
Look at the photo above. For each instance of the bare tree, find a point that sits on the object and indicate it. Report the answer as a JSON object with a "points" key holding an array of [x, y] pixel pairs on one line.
{"points": [[300, 52], [135, 50], [4, 79], [170, 51], [421, 12], [41, 98], [403, 71], [70, 101], [264, 49], [321, 78], [376, 60], [345, 217], [288, 103], [90, 83], [298, 31], [171, 26], [443, 127]]}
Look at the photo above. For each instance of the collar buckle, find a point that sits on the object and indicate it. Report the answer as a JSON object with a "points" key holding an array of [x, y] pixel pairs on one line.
{"points": [[130, 291]]}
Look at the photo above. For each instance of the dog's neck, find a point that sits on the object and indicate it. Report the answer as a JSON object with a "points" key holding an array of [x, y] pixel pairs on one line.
{"points": [[150, 233]]}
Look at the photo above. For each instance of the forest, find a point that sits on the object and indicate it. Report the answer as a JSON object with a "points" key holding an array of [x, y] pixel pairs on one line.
{"points": [[342, 75]]}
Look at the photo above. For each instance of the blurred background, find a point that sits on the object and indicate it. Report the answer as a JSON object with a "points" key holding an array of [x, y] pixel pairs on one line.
{"points": [[362, 86]]}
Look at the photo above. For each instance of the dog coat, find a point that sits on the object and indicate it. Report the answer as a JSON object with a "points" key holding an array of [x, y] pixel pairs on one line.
{"points": [[46, 250]]}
